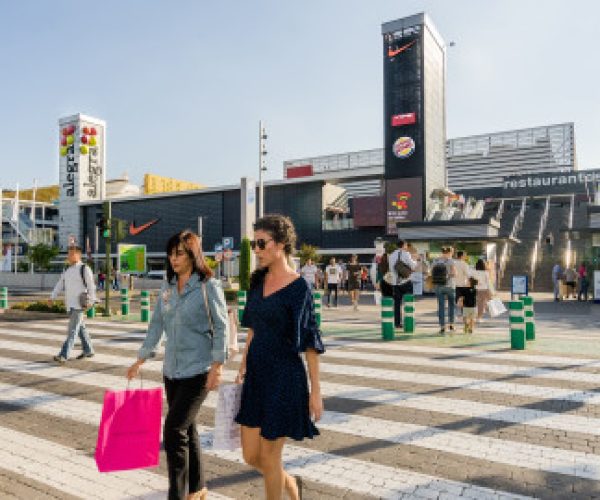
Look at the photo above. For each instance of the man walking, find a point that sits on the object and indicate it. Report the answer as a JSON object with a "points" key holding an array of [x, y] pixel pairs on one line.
{"points": [[309, 273], [401, 265], [333, 276], [78, 284], [556, 278], [442, 275]]}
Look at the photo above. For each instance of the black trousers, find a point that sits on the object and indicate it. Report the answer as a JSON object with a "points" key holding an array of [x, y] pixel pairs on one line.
{"points": [[180, 437], [332, 288], [399, 292]]}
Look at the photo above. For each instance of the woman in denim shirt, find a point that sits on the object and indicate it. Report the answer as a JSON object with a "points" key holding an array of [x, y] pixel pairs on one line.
{"points": [[195, 351]]}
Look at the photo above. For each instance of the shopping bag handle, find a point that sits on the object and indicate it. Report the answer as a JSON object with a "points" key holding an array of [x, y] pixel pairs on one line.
{"points": [[141, 381]]}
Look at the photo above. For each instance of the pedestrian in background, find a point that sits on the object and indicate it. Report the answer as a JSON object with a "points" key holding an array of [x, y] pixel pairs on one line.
{"points": [[484, 287], [354, 278], [401, 266], [461, 277], [443, 273], [333, 276], [191, 311], [584, 282], [276, 403], [384, 277], [309, 273], [557, 276], [77, 282], [571, 282], [469, 305]]}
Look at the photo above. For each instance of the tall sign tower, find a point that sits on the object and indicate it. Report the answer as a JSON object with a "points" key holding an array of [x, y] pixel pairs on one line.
{"points": [[82, 171], [414, 76]]}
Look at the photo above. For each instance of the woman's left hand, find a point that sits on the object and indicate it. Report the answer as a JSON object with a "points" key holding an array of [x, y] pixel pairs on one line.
{"points": [[214, 377], [315, 406]]}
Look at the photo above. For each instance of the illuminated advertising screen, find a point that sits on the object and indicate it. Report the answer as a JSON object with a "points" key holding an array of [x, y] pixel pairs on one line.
{"points": [[403, 105], [404, 201], [131, 258]]}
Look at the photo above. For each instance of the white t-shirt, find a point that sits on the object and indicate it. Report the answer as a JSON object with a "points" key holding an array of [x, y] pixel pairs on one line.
{"points": [[334, 274], [462, 273], [309, 273], [483, 280]]}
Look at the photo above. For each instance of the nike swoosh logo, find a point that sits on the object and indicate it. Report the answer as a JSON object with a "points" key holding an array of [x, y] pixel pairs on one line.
{"points": [[133, 231], [392, 53]]}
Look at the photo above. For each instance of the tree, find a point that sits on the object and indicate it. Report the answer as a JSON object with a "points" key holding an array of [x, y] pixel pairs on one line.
{"points": [[308, 252], [41, 254], [245, 261]]}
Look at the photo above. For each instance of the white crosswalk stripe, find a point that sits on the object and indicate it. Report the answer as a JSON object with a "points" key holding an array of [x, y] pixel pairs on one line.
{"points": [[361, 477]]}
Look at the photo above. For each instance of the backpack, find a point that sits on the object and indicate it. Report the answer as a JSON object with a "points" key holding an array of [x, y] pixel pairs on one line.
{"points": [[439, 273], [401, 268]]}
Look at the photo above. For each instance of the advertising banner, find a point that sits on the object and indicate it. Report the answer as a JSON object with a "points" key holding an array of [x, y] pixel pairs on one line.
{"points": [[131, 258], [596, 286], [404, 202]]}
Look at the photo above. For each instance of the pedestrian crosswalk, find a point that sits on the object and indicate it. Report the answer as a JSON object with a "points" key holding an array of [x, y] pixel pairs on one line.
{"points": [[402, 421]]}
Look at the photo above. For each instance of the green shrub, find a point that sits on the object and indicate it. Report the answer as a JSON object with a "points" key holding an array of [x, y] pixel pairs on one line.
{"points": [[231, 295], [56, 307]]}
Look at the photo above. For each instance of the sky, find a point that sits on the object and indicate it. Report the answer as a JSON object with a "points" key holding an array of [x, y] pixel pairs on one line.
{"points": [[183, 84]]}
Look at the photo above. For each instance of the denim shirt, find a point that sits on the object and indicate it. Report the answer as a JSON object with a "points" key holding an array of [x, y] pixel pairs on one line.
{"points": [[190, 349]]}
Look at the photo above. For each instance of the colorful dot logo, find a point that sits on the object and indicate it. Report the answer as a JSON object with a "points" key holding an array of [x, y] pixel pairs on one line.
{"points": [[67, 138], [403, 147]]}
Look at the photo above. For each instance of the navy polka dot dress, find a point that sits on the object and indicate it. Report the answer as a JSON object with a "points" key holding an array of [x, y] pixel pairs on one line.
{"points": [[275, 390]]}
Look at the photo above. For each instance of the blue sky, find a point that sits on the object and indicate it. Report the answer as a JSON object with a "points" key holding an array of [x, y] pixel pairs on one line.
{"points": [[183, 84]]}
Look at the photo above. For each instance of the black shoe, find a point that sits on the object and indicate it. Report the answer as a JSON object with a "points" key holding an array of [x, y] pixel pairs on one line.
{"points": [[84, 355], [451, 328], [442, 331], [59, 359]]}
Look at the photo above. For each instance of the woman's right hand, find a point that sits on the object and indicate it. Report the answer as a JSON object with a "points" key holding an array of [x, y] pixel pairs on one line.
{"points": [[134, 369], [241, 374]]}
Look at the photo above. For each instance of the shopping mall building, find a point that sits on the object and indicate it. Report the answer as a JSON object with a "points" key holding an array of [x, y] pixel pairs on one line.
{"points": [[516, 197]]}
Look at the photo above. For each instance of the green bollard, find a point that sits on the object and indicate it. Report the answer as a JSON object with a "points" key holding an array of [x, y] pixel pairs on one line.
{"points": [[318, 304], [387, 318], [145, 306], [124, 302], [241, 296], [529, 317], [3, 298], [409, 313], [517, 325], [91, 312]]}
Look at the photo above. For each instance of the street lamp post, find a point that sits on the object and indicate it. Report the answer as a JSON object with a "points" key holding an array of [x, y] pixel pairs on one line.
{"points": [[262, 152]]}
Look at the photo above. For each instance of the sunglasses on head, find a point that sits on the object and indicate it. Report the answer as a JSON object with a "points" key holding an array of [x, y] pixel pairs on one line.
{"points": [[260, 243]]}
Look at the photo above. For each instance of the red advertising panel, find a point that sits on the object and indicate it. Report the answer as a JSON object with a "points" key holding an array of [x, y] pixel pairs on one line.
{"points": [[299, 171], [403, 119], [404, 201], [369, 211]]}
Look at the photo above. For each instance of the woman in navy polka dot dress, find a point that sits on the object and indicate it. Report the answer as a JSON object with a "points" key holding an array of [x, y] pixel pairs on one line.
{"points": [[276, 401]]}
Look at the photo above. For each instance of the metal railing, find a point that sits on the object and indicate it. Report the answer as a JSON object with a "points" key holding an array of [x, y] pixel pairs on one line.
{"points": [[537, 246], [513, 233]]}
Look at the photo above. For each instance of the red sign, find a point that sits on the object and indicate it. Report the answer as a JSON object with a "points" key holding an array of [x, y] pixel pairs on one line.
{"points": [[403, 119], [227, 254], [299, 171]]}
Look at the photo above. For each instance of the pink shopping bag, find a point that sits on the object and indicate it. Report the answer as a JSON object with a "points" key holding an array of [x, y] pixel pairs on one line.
{"points": [[129, 432]]}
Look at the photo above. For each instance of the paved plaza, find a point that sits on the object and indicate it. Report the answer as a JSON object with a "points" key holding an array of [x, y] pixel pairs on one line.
{"points": [[423, 416]]}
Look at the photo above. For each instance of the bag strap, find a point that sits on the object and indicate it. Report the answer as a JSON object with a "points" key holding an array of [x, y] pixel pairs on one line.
{"points": [[82, 272], [208, 313]]}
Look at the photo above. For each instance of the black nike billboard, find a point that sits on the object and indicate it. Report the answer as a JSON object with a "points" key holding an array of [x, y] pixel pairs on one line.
{"points": [[403, 105]]}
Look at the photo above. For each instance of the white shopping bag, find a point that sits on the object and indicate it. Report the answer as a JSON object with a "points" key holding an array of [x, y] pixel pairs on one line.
{"points": [[227, 434], [377, 297], [232, 341], [496, 307]]}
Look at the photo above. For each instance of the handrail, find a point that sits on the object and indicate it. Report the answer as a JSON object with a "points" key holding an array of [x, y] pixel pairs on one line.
{"points": [[515, 229], [538, 242], [500, 211]]}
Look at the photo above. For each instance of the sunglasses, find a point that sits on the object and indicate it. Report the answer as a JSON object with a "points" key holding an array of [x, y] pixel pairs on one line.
{"points": [[260, 243]]}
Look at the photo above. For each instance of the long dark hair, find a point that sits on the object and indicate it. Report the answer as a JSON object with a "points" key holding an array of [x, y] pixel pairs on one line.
{"points": [[282, 230], [191, 243]]}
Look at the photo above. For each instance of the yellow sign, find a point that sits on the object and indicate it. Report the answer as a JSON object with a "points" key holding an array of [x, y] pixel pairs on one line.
{"points": [[158, 184]]}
